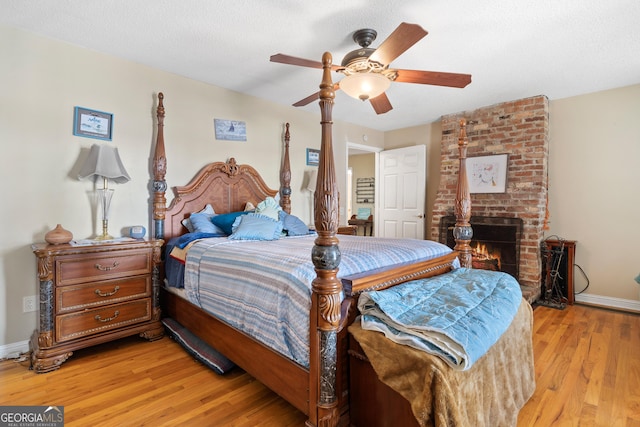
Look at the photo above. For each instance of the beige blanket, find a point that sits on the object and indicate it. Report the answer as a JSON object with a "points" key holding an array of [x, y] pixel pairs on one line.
{"points": [[491, 393]]}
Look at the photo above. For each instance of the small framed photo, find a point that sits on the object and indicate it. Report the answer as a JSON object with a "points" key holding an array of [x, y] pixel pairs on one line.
{"points": [[313, 157], [230, 130], [487, 174], [92, 123]]}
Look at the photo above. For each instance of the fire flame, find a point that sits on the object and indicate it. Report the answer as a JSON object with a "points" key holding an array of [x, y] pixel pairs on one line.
{"points": [[484, 257]]}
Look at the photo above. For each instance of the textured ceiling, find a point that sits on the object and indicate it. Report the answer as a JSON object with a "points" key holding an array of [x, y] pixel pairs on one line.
{"points": [[512, 49]]}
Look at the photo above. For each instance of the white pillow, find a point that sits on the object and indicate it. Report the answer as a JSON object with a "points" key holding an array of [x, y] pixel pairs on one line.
{"points": [[269, 207]]}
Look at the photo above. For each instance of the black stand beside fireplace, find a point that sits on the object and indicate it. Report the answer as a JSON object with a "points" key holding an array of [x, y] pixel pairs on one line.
{"points": [[495, 244]]}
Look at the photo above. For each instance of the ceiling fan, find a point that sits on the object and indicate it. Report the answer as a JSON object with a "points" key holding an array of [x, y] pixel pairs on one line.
{"points": [[367, 72]]}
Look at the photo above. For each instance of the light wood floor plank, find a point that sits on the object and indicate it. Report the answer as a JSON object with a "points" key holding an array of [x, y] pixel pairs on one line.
{"points": [[587, 373]]}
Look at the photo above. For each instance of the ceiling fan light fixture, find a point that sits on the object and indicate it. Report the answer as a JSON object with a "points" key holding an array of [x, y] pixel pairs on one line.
{"points": [[364, 85]]}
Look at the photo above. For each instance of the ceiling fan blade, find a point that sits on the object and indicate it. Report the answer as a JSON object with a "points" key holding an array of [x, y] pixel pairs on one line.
{"points": [[402, 38], [292, 60], [433, 78], [309, 99], [306, 101], [381, 103]]}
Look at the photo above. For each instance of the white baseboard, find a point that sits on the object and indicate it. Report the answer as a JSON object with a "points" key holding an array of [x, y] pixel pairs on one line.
{"points": [[12, 351], [609, 302]]}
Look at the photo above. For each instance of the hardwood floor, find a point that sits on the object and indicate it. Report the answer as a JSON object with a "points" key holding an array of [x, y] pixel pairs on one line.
{"points": [[587, 368], [587, 371]]}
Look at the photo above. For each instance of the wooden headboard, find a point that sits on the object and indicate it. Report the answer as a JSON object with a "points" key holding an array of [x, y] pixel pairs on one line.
{"points": [[226, 186]]}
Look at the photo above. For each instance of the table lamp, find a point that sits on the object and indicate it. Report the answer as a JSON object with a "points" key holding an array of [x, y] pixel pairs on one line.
{"points": [[312, 179], [104, 162]]}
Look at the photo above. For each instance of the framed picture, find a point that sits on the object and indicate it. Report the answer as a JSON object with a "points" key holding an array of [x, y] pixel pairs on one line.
{"points": [[313, 157], [230, 130], [487, 174], [92, 123]]}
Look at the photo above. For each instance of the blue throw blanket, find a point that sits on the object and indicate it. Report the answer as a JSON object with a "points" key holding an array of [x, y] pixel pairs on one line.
{"points": [[457, 316]]}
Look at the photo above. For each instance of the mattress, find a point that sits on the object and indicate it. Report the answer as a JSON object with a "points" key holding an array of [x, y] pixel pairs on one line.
{"points": [[263, 288]]}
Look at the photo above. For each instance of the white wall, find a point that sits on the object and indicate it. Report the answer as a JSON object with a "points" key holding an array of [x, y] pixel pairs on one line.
{"points": [[41, 81]]}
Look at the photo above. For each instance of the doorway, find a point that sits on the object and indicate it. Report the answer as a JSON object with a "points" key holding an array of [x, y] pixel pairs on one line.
{"points": [[362, 164], [404, 204]]}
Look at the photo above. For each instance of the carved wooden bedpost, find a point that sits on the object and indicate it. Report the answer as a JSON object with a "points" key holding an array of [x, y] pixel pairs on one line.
{"points": [[326, 288], [462, 232], [159, 171], [285, 175]]}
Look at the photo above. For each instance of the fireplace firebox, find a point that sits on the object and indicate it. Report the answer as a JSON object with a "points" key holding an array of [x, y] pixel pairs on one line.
{"points": [[495, 243]]}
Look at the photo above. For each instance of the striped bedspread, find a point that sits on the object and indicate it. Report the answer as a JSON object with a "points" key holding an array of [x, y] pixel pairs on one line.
{"points": [[263, 287]]}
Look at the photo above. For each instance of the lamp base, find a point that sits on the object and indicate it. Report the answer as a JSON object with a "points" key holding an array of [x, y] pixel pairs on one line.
{"points": [[105, 226], [103, 237]]}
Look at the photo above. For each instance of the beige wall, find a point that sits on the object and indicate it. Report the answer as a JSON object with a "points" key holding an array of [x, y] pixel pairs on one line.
{"points": [[41, 82], [594, 187]]}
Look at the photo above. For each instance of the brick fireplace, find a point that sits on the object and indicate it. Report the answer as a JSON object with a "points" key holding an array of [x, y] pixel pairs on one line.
{"points": [[521, 130]]}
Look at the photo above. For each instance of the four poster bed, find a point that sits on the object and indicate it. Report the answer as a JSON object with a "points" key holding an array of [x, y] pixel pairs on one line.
{"points": [[310, 369]]}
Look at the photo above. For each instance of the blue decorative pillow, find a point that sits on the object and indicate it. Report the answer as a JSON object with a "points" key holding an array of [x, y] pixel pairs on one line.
{"points": [[256, 227], [293, 225], [225, 221], [187, 222], [201, 223]]}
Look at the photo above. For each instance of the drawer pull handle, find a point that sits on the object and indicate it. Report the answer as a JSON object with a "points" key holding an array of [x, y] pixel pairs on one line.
{"points": [[107, 268], [107, 294], [108, 319]]}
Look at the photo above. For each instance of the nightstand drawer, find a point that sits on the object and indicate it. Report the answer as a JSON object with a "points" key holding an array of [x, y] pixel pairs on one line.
{"points": [[71, 269], [91, 294], [89, 322], [80, 297]]}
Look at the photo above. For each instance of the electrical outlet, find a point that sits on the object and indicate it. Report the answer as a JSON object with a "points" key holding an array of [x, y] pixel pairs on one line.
{"points": [[29, 304]]}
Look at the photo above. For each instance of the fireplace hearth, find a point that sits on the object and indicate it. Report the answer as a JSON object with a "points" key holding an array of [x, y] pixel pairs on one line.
{"points": [[495, 244]]}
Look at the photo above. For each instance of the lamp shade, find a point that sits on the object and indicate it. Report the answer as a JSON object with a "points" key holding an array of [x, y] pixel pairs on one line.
{"points": [[104, 162], [312, 180], [364, 85]]}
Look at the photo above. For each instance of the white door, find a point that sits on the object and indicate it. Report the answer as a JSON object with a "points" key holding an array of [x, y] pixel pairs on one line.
{"points": [[402, 178]]}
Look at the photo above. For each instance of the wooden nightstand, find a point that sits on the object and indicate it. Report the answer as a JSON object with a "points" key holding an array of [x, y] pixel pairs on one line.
{"points": [[93, 294], [364, 223]]}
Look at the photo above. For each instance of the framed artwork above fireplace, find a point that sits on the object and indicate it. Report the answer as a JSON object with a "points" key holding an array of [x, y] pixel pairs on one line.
{"points": [[488, 174]]}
